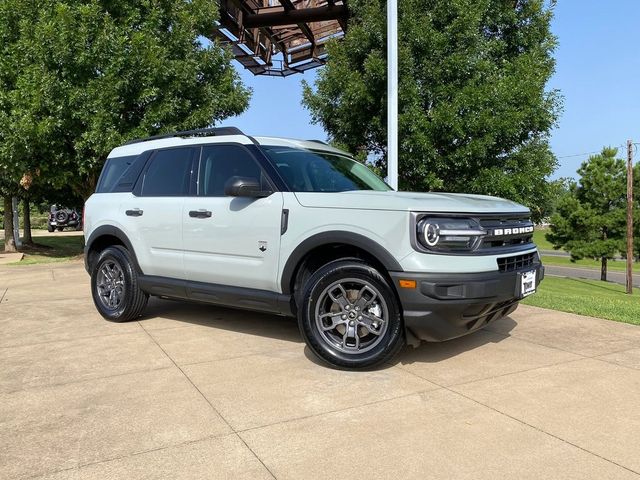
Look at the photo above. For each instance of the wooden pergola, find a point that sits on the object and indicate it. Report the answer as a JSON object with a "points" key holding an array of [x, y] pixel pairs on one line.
{"points": [[259, 30]]}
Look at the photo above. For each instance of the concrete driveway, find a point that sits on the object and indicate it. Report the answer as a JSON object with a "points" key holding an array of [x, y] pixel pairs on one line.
{"points": [[194, 392]]}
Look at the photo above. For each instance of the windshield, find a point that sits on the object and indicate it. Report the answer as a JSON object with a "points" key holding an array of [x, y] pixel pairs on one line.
{"points": [[318, 171]]}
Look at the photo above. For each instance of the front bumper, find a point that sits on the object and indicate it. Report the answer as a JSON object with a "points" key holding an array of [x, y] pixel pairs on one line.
{"points": [[446, 306], [70, 223]]}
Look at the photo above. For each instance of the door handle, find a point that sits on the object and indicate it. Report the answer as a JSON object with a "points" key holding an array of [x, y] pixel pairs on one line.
{"points": [[136, 212], [202, 213]]}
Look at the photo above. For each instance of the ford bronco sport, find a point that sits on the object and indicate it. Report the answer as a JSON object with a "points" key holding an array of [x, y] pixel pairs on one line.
{"points": [[299, 228]]}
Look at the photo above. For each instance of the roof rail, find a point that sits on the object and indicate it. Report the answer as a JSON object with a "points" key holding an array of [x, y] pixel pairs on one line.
{"points": [[200, 132], [317, 141]]}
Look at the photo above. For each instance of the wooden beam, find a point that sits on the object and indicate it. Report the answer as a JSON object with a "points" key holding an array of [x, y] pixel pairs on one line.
{"points": [[293, 17]]}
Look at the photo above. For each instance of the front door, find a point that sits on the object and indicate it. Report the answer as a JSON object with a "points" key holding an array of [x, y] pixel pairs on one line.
{"points": [[231, 241]]}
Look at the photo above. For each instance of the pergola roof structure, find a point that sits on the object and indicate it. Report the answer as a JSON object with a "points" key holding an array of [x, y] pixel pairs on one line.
{"points": [[258, 30]]}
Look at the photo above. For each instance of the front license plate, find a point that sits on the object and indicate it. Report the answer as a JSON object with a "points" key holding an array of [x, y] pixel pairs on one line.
{"points": [[527, 283]]}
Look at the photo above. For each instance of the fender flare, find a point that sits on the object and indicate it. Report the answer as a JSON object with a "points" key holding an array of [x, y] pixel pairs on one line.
{"points": [[114, 232], [331, 237]]}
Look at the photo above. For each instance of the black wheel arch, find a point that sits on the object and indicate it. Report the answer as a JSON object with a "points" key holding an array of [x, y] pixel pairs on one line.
{"points": [[338, 238], [103, 237]]}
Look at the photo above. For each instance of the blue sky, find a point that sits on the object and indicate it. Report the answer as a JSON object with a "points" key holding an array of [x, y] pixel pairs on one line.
{"points": [[597, 72]]}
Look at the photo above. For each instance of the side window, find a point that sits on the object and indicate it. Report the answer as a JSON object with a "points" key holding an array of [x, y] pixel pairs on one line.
{"points": [[219, 163], [168, 174], [112, 171]]}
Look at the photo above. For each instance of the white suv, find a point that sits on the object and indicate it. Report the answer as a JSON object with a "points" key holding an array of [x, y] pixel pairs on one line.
{"points": [[299, 228]]}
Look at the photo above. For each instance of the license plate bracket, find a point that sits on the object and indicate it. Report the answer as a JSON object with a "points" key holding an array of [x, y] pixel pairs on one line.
{"points": [[527, 283]]}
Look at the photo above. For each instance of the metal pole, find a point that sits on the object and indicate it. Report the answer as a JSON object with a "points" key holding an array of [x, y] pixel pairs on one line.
{"points": [[392, 93], [629, 217]]}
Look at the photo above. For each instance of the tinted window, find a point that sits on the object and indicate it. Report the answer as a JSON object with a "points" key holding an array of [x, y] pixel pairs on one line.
{"points": [[168, 174], [112, 172], [219, 163], [318, 171]]}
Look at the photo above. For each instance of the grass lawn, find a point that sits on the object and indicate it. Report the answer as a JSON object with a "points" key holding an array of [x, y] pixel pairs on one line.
{"points": [[612, 265], [52, 249], [588, 297], [540, 241]]}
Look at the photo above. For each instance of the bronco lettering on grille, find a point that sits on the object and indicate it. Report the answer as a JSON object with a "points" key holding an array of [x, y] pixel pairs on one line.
{"points": [[512, 231]]}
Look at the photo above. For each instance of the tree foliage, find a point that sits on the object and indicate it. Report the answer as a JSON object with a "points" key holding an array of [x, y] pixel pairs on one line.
{"points": [[590, 220], [81, 77], [474, 114]]}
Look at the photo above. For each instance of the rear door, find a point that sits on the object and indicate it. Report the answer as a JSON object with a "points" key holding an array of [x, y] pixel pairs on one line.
{"points": [[231, 241], [153, 213]]}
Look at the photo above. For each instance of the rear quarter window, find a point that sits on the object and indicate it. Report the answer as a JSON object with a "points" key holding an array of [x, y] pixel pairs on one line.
{"points": [[112, 171]]}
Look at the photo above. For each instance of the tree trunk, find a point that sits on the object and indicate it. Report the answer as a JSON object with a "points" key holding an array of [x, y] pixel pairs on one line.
{"points": [[9, 241], [27, 222], [603, 269]]}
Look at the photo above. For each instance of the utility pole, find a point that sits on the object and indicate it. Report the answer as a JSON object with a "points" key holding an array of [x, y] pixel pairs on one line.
{"points": [[392, 93], [629, 217]]}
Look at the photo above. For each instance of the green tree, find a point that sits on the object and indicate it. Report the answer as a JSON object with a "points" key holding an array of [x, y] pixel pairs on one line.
{"points": [[89, 75], [474, 114], [590, 220]]}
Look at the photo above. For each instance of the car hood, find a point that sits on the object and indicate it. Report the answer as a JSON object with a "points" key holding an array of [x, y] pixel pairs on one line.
{"points": [[410, 201]]}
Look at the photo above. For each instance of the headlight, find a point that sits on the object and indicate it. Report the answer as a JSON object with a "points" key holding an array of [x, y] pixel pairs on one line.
{"points": [[449, 234]]}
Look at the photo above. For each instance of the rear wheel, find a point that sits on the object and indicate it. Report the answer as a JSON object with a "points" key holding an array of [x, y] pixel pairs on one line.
{"points": [[114, 286], [50, 228], [350, 317]]}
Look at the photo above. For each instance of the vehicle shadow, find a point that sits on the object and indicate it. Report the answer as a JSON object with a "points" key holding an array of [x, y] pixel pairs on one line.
{"points": [[165, 313], [434, 352]]}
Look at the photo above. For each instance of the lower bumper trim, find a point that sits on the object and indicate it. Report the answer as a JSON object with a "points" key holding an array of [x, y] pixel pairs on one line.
{"points": [[447, 306]]}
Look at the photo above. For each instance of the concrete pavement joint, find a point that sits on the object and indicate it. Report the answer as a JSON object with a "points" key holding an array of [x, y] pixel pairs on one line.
{"points": [[84, 380], [283, 349], [506, 335], [3, 347], [455, 392], [499, 375], [328, 412], [210, 404], [4, 292], [134, 454], [542, 431], [611, 362], [31, 301]]}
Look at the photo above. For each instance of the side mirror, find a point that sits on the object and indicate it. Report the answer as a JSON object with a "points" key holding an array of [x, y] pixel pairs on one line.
{"points": [[244, 187]]}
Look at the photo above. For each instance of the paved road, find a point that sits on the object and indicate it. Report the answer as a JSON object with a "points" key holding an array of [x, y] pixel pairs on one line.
{"points": [[45, 233], [193, 391], [592, 274], [554, 253]]}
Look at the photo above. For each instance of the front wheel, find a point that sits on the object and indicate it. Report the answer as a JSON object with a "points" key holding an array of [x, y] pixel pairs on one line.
{"points": [[350, 316], [114, 286]]}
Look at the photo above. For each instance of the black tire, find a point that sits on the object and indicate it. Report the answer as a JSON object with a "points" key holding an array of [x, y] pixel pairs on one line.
{"points": [[60, 229], [62, 216], [133, 300], [50, 228], [388, 343]]}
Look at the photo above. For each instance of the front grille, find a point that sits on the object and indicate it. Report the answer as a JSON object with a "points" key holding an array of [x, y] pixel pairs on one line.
{"points": [[506, 232], [509, 264]]}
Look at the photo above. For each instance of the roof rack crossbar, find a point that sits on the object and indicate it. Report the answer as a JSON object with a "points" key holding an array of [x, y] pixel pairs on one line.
{"points": [[200, 132]]}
